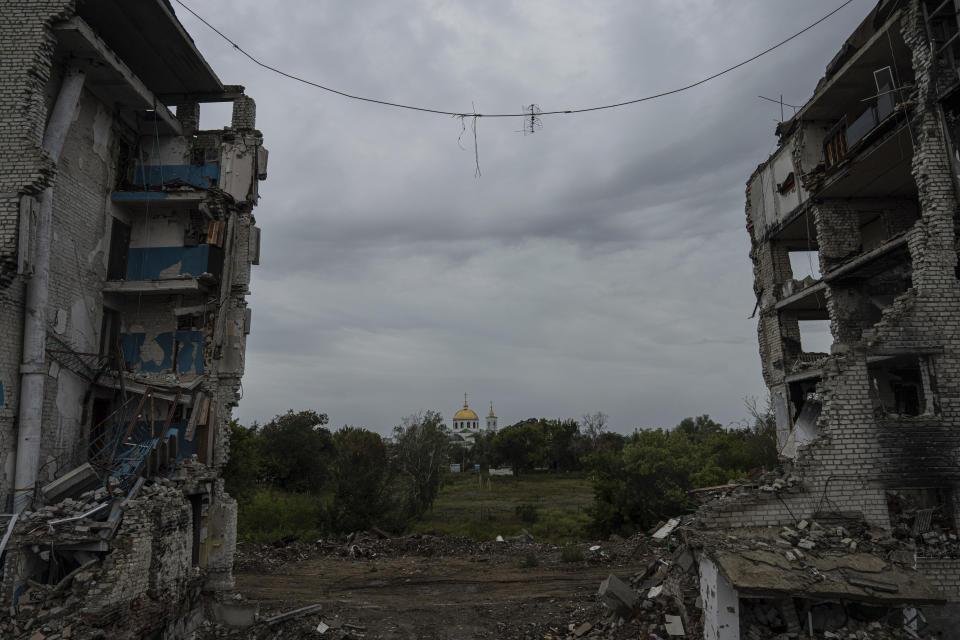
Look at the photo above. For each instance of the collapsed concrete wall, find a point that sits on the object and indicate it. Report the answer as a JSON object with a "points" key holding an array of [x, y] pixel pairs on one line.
{"points": [[127, 237]]}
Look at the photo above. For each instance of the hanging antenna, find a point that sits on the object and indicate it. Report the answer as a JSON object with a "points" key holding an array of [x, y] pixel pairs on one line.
{"points": [[782, 105], [532, 122]]}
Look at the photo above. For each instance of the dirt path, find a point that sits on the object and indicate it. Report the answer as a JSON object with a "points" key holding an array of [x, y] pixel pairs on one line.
{"points": [[450, 596]]}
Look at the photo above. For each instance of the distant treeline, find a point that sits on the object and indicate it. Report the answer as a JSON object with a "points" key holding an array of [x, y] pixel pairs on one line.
{"points": [[293, 475]]}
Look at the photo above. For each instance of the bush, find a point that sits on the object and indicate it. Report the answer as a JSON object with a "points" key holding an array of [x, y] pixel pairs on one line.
{"points": [[271, 515], [571, 553], [526, 512], [560, 526], [530, 561]]}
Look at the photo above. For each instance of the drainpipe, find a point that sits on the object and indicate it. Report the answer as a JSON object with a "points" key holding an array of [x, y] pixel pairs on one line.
{"points": [[33, 364]]}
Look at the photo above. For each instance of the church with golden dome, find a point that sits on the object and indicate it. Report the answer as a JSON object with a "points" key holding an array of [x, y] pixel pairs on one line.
{"points": [[466, 423]]}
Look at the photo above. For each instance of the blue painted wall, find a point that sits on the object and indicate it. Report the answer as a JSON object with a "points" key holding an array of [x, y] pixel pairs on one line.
{"points": [[205, 175], [120, 196], [189, 357], [146, 263]]}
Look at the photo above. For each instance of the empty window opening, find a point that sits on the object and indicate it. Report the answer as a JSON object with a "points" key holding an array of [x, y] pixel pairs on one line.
{"points": [[802, 392], [215, 115], [872, 232], [898, 386], [879, 227], [119, 249], [921, 514], [110, 335], [815, 337], [835, 144], [789, 184], [878, 292], [805, 264]]}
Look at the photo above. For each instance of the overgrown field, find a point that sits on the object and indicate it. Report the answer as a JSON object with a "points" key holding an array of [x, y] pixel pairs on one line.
{"points": [[552, 507]]}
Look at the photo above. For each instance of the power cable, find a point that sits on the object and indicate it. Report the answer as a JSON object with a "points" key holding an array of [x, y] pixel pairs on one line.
{"points": [[463, 114]]}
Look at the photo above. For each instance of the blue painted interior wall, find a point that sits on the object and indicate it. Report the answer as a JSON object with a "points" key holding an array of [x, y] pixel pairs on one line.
{"points": [[204, 175], [146, 263], [189, 355]]}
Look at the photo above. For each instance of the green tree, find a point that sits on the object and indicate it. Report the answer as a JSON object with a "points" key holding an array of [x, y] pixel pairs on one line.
{"points": [[360, 475], [523, 446], [700, 428], [296, 449], [244, 469], [482, 452], [420, 455], [563, 439], [646, 482]]}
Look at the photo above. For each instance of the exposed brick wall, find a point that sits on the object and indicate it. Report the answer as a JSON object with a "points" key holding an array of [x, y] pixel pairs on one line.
{"points": [[244, 113], [944, 573], [859, 453], [28, 78]]}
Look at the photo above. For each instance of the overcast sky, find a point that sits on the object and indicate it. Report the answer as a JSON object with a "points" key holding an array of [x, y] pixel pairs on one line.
{"points": [[600, 264]]}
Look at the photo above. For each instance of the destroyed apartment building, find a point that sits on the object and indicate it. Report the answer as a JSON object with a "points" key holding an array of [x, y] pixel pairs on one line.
{"points": [[126, 240], [865, 185]]}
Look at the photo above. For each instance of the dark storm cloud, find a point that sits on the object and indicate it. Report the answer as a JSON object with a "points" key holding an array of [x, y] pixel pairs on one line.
{"points": [[599, 264]]}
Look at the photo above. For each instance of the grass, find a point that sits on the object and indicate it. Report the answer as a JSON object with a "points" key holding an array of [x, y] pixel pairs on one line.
{"points": [[571, 553], [552, 507], [271, 515]]}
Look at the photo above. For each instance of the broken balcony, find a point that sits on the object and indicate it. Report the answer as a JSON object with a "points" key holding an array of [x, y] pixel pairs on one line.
{"points": [[212, 164], [879, 166], [806, 299], [867, 149], [171, 247]]}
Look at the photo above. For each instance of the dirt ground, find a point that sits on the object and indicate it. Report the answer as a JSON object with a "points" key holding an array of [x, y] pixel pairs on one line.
{"points": [[433, 587]]}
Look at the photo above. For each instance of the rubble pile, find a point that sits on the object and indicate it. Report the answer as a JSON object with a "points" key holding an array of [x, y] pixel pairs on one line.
{"points": [[779, 620], [928, 530], [776, 481], [370, 545], [840, 577], [66, 577]]}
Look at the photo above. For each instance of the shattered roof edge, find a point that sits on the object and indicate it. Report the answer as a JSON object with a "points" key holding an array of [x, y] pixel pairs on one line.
{"points": [[828, 82]]}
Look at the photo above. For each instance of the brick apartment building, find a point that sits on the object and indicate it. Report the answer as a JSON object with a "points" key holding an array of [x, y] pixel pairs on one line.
{"points": [[126, 241]]}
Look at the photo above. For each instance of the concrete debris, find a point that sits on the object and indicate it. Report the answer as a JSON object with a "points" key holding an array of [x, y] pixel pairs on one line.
{"points": [[295, 613], [673, 625], [617, 595], [666, 529], [71, 484]]}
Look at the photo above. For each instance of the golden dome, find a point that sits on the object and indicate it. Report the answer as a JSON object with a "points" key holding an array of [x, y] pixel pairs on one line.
{"points": [[466, 413]]}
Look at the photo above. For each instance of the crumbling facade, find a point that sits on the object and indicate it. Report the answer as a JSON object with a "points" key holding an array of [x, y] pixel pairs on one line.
{"points": [[126, 242], [865, 183]]}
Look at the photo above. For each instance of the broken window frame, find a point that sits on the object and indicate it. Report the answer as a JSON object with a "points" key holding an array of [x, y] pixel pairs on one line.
{"points": [[925, 391]]}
